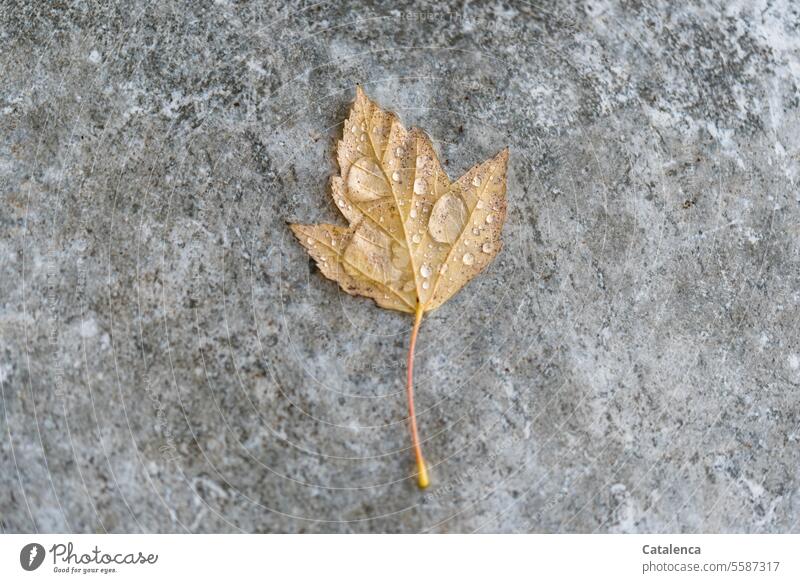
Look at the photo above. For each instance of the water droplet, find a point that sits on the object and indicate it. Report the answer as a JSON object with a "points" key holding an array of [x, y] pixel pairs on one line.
{"points": [[396, 176], [443, 269], [310, 241], [360, 148], [416, 238], [353, 128], [487, 248], [400, 258], [489, 218], [413, 213], [467, 242], [476, 231], [376, 130], [426, 284], [480, 205], [476, 181], [447, 218], [419, 186], [399, 152], [363, 137], [425, 270], [341, 202], [468, 259]]}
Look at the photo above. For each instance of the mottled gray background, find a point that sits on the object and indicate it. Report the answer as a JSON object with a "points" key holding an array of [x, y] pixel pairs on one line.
{"points": [[171, 362]]}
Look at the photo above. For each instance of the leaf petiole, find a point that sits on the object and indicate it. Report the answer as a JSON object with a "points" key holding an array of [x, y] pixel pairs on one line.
{"points": [[422, 471]]}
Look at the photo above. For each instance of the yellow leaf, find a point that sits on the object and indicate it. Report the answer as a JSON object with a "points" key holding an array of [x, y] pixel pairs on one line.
{"points": [[414, 237]]}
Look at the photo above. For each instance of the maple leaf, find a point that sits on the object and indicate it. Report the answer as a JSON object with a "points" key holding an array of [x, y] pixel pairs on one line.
{"points": [[414, 237]]}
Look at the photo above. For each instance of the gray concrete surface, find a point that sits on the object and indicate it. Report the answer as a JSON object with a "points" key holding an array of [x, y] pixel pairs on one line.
{"points": [[170, 362]]}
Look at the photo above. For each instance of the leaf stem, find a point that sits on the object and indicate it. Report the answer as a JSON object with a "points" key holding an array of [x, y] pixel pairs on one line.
{"points": [[422, 471]]}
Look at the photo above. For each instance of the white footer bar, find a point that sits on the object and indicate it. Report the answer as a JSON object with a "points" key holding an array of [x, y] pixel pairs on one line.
{"points": [[407, 558]]}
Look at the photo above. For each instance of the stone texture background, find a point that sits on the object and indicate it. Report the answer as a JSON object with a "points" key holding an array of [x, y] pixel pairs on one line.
{"points": [[170, 362]]}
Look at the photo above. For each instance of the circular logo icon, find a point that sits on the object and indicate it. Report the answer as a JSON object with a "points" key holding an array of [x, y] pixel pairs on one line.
{"points": [[31, 556]]}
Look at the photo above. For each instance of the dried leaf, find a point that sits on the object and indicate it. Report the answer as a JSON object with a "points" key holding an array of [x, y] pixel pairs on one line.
{"points": [[414, 238]]}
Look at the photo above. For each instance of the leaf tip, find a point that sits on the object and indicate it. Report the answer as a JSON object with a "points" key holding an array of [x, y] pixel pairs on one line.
{"points": [[298, 231]]}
